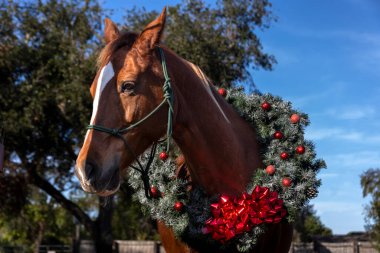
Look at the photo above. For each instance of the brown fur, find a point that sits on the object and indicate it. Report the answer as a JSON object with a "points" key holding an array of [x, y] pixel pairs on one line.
{"points": [[221, 150], [125, 39]]}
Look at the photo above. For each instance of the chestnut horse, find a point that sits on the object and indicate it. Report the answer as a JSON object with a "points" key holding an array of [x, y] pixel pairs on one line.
{"points": [[220, 148]]}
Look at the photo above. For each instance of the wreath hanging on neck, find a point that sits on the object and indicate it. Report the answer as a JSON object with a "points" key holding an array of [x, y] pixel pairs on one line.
{"points": [[276, 192]]}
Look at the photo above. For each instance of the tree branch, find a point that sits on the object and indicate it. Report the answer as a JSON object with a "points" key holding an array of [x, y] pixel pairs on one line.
{"points": [[73, 208]]}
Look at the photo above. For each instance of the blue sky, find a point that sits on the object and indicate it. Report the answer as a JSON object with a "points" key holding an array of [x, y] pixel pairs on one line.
{"points": [[328, 55]]}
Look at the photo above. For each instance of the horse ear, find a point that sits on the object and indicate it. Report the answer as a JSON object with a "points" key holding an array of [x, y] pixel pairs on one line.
{"points": [[111, 32], [151, 34]]}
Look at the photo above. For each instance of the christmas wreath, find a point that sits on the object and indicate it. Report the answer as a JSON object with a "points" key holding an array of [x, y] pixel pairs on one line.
{"points": [[276, 192]]}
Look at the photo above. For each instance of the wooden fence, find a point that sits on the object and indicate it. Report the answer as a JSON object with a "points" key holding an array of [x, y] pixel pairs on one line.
{"points": [[155, 247], [138, 247], [333, 247], [317, 247], [43, 249]]}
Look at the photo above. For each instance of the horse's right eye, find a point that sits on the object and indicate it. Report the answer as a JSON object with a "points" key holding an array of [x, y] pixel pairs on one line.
{"points": [[127, 86]]}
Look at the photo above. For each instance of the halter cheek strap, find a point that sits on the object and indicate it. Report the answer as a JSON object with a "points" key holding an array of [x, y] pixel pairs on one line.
{"points": [[119, 132]]}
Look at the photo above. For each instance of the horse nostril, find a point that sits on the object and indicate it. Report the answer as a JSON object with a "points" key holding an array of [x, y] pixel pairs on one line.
{"points": [[89, 172]]}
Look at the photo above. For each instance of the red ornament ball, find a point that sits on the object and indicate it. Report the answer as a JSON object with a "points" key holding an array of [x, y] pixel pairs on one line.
{"points": [[154, 192], [300, 149], [270, 170], [222, 92], [163, 156], [284, 155], [278, 135], [286, 182], [295, 118], [265, 106], [178, 206]]}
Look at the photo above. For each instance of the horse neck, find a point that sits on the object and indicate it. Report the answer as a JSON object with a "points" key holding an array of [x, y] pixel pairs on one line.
{"points": [[220, 148]]}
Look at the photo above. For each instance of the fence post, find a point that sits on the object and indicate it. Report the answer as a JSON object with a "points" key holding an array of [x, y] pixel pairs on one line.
{"points": [[354, 247], [317, 246], [157, 247]]}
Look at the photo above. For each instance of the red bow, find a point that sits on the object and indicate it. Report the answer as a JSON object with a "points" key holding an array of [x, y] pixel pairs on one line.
{"points": [[236, 215]]}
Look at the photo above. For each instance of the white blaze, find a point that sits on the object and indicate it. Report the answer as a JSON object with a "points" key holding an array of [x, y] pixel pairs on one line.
{"points": [[105, 76]]}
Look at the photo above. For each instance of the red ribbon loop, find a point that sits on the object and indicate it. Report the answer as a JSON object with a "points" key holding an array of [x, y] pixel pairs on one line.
{"points": [[236, 215]]}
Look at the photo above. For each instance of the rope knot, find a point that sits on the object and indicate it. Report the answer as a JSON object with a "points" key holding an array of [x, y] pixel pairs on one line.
{"points": [[115, 132], [167, 88]]}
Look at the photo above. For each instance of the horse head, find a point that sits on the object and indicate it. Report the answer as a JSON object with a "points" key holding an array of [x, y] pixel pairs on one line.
{"points": [[127, 88]]}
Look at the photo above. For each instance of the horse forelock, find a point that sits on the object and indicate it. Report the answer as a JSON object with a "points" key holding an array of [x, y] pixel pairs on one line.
{"points": [[125, 39]]}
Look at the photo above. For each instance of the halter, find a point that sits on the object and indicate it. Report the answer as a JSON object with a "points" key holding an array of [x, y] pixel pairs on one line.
{"points": [[119, 132]]}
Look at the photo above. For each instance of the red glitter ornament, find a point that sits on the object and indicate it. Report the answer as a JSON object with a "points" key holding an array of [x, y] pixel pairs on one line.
{"points": [[155, 193], [284, 155], [295, 118], [300, 149], [178, 206], [270, 170], [278, 135], [163, 156], [286, 182], [222, 92], [265, 106]]}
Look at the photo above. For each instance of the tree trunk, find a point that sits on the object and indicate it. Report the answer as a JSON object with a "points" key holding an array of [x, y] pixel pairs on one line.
{"points": [[1, 150], [100, 230], [40, 236], [103, 235]]}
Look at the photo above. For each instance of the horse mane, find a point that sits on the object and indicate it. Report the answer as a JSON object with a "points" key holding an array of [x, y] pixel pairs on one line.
{"points": [[125, 39], [199, 72]]}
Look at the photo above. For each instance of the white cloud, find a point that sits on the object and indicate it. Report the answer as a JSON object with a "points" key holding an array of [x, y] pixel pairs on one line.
{"points": [[362, 37], [365, 5], [367, 59], [338, 207], [352, 112], [317, 96], [323, 133], [327, 175], [361, 47], [342, 216], [317, 134], [357, 160]]}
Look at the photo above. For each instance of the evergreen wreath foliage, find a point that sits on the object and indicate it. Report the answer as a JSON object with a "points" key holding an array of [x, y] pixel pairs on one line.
{"points": [[301, 169]]}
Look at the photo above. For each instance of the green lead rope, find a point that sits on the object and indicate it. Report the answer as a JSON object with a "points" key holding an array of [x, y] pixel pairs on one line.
{"points": [[118, 132], [168, 97]]}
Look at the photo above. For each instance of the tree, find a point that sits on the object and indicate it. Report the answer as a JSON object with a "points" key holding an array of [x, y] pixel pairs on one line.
{"points": [[48, 51], [221, 39], [39, 221], [129, 222], [370, 182], [308, 225], [47, 60]]}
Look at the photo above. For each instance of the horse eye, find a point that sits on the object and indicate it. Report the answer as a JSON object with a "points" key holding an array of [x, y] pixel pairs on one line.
{"points": [[127, 86]]}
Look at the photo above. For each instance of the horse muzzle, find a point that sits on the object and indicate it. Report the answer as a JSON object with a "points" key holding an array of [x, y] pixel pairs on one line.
{"points": [[103, 182]]}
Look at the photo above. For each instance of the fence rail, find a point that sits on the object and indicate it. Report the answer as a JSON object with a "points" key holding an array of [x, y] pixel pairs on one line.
{"points": [[155, 247], [333, 247], [43, 249]]}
